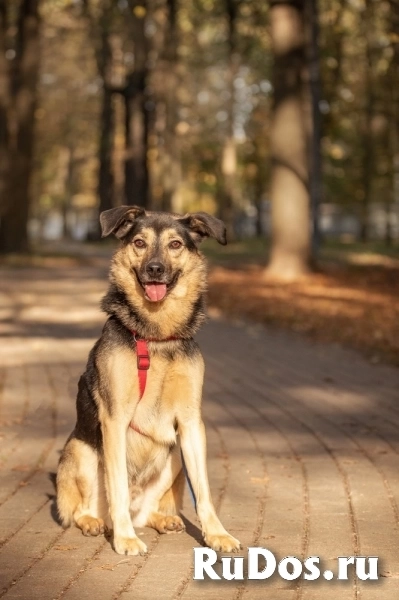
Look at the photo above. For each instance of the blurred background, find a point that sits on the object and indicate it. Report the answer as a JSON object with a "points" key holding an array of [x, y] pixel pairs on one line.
{"points": [[280, 117]]}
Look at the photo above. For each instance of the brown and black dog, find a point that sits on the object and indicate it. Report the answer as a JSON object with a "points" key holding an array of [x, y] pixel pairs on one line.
{"points": [[121, 466]]}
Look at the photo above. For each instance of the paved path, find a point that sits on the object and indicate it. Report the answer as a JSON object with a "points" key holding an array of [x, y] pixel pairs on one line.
{"points": [[303, 455]]}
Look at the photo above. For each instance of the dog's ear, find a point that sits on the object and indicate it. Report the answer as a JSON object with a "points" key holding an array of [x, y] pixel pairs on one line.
{"points": [[119, 220], [201, 226]]}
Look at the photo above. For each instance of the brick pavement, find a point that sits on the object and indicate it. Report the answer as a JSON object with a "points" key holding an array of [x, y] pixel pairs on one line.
{"points": [[303, 455]]}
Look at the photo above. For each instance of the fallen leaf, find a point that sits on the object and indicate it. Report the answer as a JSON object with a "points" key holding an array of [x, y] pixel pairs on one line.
{"points": [[111, 567], [259, 479]]}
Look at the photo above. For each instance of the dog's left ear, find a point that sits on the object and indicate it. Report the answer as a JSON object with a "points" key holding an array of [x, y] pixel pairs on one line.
{"points": [[201, 226], [119, 220]]}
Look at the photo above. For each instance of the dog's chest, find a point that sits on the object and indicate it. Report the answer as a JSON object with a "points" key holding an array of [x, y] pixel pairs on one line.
{"points": [[152, 433], [152, 415], [154, 420]]}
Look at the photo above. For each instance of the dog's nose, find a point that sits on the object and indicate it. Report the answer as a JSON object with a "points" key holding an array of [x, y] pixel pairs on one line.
{"points": [[155, 269]]}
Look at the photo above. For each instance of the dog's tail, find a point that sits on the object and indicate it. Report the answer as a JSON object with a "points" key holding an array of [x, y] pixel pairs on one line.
{"points": [[76, 477], [68, 495]]}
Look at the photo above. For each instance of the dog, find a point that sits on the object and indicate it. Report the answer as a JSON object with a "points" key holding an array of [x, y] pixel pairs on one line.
{"points": [[139, 400]]}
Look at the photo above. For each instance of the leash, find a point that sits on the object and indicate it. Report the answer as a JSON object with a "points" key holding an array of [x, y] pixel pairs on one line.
{"points": [[143, 365]]}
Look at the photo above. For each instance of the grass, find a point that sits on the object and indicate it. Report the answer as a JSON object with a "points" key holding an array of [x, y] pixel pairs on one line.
{"points": [[245, 251], [353, 298], [256, 251]]}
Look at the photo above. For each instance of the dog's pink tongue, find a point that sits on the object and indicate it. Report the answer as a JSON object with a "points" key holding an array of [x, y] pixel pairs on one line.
{"points": [[155, 291]]}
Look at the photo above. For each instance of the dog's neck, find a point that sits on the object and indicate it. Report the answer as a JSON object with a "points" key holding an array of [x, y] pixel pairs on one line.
{"points": [[156, 322]]}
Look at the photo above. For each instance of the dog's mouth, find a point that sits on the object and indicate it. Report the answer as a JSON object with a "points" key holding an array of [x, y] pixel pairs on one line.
{"points": [[155, 291]]}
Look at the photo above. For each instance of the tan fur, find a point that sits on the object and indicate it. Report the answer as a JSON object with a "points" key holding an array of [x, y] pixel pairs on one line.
{"points": [[173, 311], [136, 478], [172, 501]]}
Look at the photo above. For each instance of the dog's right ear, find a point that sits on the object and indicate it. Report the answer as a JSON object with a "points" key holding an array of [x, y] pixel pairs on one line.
{"points": [[119, 220]]}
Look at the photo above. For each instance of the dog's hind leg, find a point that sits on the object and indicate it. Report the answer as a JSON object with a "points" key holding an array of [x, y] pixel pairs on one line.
{"points": [[80, 493], [171, 502], [167, 519], [162, 499]]}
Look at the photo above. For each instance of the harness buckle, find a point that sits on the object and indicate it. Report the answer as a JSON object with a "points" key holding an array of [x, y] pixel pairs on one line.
{"points": [[143, 362]]}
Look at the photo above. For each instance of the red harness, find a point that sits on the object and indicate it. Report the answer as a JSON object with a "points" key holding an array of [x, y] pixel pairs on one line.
{"points": [[143, 364], [143, 359]]}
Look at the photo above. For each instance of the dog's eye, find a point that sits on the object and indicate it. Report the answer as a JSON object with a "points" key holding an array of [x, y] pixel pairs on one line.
{"points": [[175, 244], [139, 243]]}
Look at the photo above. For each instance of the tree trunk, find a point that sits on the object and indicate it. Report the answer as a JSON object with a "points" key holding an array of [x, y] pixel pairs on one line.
{"points": [[170, 152], [100, 28], [24, 77], [368, 142], [291, 235], [68, 193], [107, 126], [393, 75], [4, 107], [136, 116], [315, 162], [136, 166], [105, 174], [228, 195]]}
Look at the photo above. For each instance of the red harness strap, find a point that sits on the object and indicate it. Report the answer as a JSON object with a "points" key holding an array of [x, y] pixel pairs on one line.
{"points": [[143, 364], [143, 359]]}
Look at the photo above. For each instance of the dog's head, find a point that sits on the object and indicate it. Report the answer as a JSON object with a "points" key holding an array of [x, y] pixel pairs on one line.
{"points": [[160, 250]]}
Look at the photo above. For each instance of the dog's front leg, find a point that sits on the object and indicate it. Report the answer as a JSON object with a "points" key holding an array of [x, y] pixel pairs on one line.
{"points": [[116, 478], [193, 443]]}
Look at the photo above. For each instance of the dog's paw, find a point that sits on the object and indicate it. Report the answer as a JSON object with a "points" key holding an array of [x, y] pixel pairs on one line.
{"points": [[129, 546], [91, 525], [222, 543], [168, 524]]}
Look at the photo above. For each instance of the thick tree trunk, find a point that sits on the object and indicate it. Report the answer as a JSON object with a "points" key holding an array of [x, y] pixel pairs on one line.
{"points": [[107, 125], [100, 28], [68, 193], [105, 174], [136, 127], [291, 234], [229, 192], [171, 167], [315, 162], [368, 142], [393, 75], [136, 114], [13, 226], [4, 106]]}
